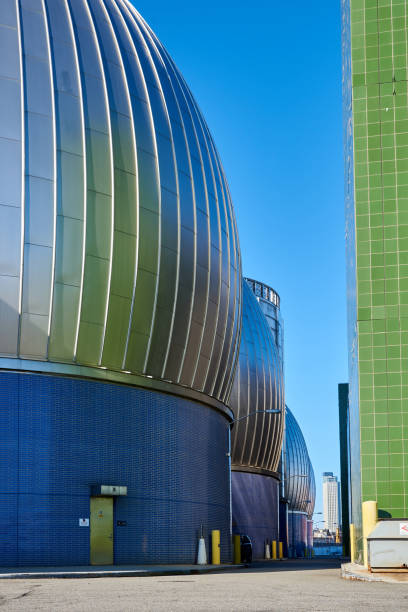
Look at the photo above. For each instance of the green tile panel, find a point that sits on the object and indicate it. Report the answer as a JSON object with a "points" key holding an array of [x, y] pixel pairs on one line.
{"points": [[380, 122]]}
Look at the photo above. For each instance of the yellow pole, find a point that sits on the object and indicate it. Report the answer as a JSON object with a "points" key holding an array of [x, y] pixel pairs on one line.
{"points": [[305, 551], [370, 518], [280, 550], [215, 547], [338, 536], [237, 549], [352, 544], [274, 550]]}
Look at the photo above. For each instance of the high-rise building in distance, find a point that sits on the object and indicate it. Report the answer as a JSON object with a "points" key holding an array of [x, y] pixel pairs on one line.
{"points": [[331, 499], [376, 191]]}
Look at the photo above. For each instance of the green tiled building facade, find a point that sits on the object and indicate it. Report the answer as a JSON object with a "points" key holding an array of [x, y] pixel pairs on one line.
{"points": [[375, 93]]}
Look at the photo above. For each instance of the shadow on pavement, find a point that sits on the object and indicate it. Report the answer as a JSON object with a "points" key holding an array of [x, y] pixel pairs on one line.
{"points": [[294, 565]]}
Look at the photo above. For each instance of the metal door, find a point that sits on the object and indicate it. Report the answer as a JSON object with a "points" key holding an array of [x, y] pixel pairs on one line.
{"points": [[101, 531]]}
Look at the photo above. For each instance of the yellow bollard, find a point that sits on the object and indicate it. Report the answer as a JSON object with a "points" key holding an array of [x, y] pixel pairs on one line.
{"points": [[370, 517], [280, 550], [237, 549], [274, 550], [305, 551], [215, 547], [352, 544], [338, 539]]}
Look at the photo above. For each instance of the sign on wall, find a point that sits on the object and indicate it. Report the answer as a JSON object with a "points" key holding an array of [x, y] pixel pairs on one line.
{"points": [[404, 529]]}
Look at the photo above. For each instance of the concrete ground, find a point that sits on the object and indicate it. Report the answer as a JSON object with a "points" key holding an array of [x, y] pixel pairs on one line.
{"points": [[111, 571], [353, 571], [293, 585]]}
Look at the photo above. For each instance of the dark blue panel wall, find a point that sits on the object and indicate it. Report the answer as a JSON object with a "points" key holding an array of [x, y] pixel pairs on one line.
{"points": [[255, 509], [283, 526], [60, 436], [309, 534], [297, 526]]}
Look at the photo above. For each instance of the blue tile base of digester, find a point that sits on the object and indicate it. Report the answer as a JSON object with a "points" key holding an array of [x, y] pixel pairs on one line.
{"points": [[255, 509], [61, 436]]}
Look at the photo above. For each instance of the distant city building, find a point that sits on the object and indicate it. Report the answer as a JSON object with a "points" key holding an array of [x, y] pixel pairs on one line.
{"points": [[331, 498], [323, 536]]}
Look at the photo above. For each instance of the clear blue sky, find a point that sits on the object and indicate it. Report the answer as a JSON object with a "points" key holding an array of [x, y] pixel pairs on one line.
{"points": [[267, 76]]}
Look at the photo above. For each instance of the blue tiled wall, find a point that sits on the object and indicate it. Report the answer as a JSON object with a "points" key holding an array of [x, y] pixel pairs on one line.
{"points": [[283, 526], [60, 436], [255, 509], [297, 528]]}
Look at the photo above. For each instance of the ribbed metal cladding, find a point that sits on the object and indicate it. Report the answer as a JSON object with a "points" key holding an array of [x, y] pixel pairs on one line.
{"points": [[256, 441], [300, 486], [118, 242]]}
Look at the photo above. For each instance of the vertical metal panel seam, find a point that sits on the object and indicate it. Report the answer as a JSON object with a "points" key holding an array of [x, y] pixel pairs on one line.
{"points": [[127, 93], [234, 246], [195, 236], [197, 126], [54, 154], [183, 88], [236, 415], [233, 359], [203, 127], [170, 337], [176, 76], [244, 423], [242, 365], [252, 332], [233, 285], [249, 390], [228, 255], [112, 169], [217, 206], [137, 203], [276, 446], [23, 163], [84, 162], [278, 396], [119, 9], [167, 116], [270, 437], [273, 458], [134, 22]]}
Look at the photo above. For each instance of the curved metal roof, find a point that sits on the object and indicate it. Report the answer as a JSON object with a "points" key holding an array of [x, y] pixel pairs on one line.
{"points": [[264, 292], [118, 243], [299, 480], [258, 385]]}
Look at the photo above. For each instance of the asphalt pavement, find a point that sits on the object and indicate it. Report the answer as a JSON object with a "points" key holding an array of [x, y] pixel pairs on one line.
{"points": [[292, 585]]}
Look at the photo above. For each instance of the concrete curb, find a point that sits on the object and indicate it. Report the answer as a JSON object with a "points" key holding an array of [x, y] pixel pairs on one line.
{"points": [[353, 571], [140, 572]]}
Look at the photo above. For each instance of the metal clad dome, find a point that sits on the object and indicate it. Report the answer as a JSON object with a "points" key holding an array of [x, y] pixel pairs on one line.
{"points": [[300, 487], [312, 492], [118, 243], [258, 385]]}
